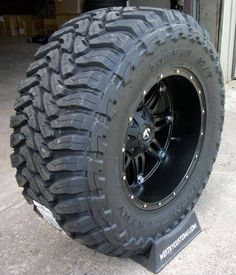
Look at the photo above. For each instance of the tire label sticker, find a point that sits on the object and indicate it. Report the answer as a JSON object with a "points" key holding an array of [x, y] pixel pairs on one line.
{"points": [[46, 214]]}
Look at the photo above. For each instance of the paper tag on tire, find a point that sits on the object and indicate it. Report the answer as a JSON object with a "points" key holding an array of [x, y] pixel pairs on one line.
{"points": [[46, 214]]}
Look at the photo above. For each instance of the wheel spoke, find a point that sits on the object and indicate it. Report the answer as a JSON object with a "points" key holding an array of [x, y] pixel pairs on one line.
{"points": [[152, 152], [157, 144], [164, 116], [139, 164], [152, 103], [139, 118], [127, 160], [159, 118], [133, 131], [161, 127]]}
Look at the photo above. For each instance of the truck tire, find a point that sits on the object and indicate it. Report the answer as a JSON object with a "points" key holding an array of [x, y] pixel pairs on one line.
{"points": [[118, 125]]}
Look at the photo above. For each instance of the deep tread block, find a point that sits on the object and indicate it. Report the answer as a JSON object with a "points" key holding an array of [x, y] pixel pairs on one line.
{"points": [[54, 60], [17, 160], [29, 136], [22, 102], [93, 239], [21, 180], [27, 83], [32, 117], [44, 126], [57, 88], [30, 177], [71, 185], [41, 168], [68, 42], [37, 97], [92, 80], [44, 78], [70, 163], [42, 146], [71, 206], [79, 100], [113, 16], [80, 225], [18, 120], [82, 26], [35, 66], [16, 138], [60, 33], [76, 121], [80, 46], [49, 105], [100, 58], [70, 142], [42, 187], [29, 195], [67, 66], [44, 50], [27, 154], [118, 41], [95, 29]]}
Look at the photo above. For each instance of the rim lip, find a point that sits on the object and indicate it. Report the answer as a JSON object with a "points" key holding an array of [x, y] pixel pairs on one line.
{"points": [[191, 77]]}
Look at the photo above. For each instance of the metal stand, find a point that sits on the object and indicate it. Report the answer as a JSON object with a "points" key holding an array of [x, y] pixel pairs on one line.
{"points": [[166, 248]]}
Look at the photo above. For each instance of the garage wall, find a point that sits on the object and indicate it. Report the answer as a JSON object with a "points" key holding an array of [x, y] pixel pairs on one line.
{"points": [[228, 39], [209, 16], [151, 3]]}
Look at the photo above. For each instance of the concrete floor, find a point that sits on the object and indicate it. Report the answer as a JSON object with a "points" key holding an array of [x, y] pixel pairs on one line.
{"points": [[28, 245]]}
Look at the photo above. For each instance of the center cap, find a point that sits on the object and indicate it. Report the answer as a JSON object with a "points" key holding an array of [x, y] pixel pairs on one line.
{"points": [[146, 133]]}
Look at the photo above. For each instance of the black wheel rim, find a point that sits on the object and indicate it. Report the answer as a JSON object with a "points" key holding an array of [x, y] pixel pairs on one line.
{"points": [[164, 139]]}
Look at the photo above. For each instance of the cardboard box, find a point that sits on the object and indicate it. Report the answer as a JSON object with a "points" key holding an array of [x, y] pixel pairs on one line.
{"points": [[11, 25], [50, 25], [63, 18], [2, 26], [69, 6], [37, 28], [26, 25], [23, 25]]}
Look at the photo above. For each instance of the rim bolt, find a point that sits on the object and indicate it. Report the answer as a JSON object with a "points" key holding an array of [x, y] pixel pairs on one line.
{"points": [[191, 77], [161, 75], [132, 197], [186, 176], [203, 111], [174, 193], [144, 92], [124, 178], [159, 203], [169, 118], [162, 88], [162, 154], [123, 149], [196, 156], [177, 71], [145, 205], [199, 92], [140, 179], [130, 118], [201, 133]]}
